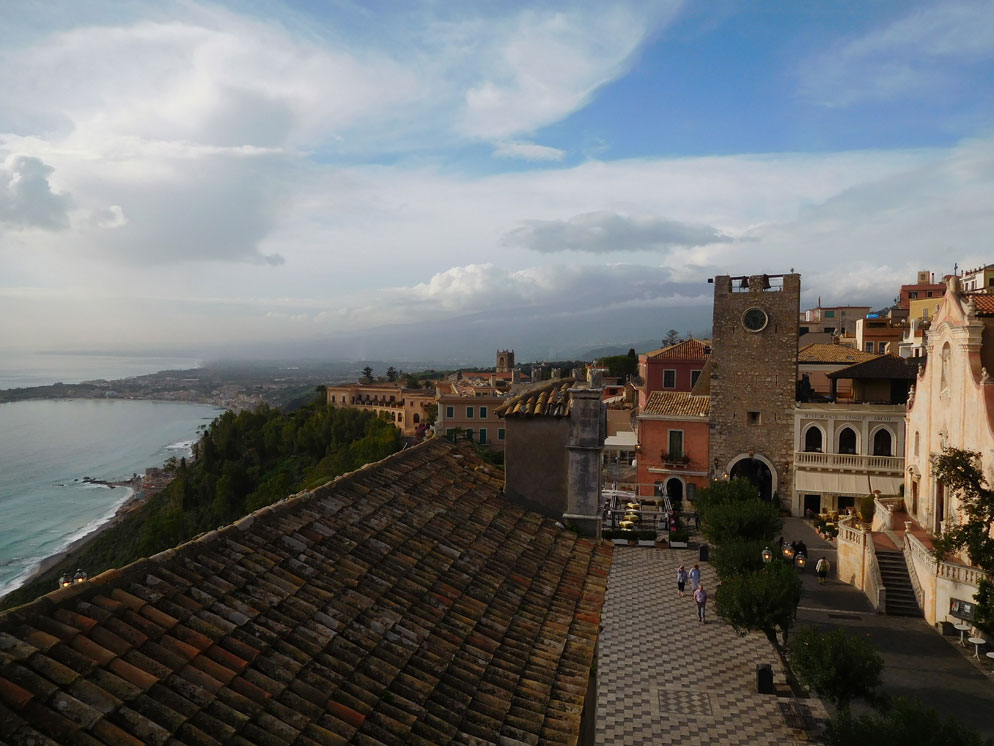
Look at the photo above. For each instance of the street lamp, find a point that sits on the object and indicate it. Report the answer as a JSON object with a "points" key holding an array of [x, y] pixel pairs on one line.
{"points": [[80, 576], [767, 555], [788, 552], [65, 581], [801, 561]]}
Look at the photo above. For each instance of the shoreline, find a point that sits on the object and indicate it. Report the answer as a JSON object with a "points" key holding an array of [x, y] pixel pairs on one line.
{"points": [[128, 505]]}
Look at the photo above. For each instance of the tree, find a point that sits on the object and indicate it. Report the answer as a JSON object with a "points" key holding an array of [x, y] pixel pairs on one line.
{"points": [[391, 373], [411, 381], [959, 471], [837, 665], [621, 366], [765, 601], [746, 520], [367, 374], [672, 337], [735, 557], [907, 722]]}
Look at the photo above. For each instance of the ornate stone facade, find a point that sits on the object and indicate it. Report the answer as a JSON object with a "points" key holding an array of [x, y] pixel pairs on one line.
{"points": [[754, 367]]}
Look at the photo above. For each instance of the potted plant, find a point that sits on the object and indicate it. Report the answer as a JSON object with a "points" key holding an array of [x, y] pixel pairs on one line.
{"points": [[647, 538], [679, 538]]}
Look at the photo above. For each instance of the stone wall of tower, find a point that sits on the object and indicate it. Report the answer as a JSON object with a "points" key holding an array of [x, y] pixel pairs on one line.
{"points": [[754, 372], [505, 361]]}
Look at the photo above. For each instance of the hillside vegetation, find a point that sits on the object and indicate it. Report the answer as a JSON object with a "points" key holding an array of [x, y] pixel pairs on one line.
{"points": [[243, 462]]}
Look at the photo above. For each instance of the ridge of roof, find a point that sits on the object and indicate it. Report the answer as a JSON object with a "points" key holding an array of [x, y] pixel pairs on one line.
{"points": [[404, 603], [888, 366], [549, 399], [689, 349]]}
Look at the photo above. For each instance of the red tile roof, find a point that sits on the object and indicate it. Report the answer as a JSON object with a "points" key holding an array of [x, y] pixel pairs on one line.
{"points": [[691, 349], [407, 603], [550, 399], [826, 353], [678, 403], [983, 302]]}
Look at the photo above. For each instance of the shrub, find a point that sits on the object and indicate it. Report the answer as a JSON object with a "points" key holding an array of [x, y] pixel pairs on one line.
{"points": [[735, 557], [765, 601], [647, 535], [838, 666], [907, 722], [749, 520], [680, 534], [867, 506]]}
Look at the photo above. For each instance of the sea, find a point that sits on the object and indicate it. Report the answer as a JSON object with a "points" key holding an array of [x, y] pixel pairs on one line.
{"points": [[47, 448]]}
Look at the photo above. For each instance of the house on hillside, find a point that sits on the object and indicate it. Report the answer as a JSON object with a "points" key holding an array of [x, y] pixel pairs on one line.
{"points": [[406, 407]]}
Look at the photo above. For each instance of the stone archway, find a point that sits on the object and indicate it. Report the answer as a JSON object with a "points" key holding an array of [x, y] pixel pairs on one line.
{"points": [[758, 470]]}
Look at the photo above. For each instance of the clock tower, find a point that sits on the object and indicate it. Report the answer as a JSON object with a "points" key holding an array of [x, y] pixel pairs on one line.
{"points": [[753, 374]]}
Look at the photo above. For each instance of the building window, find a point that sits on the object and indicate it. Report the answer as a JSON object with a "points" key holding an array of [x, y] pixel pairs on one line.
{"points": [[469, 412], [483, 436], [469, 433], [450, 413], [754, 418], [917, 442], [944, 379], [812, 440], [500, 433], [669, 379], [847, 441], [694, 375], [882, 443], [913, 294], [829, 314], [483, 413], [869, 346], [676, 445]]}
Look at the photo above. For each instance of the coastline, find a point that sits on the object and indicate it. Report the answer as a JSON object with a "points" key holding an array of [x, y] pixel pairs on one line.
{"points": [[130, 503]]}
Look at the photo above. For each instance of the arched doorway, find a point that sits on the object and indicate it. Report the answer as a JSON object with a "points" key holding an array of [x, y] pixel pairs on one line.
{"points": [[674, 490], [812, 439], [758, 474], [847, 441], [882, 443]]}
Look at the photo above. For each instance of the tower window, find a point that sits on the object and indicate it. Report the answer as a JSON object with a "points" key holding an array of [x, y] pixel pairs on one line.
{"points": [[754, 418]]}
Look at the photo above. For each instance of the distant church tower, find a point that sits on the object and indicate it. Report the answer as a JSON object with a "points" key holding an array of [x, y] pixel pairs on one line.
{"points": [[505, 361], [753, 373]]}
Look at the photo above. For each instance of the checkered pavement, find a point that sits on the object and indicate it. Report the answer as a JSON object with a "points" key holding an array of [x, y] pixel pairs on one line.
{"points": [[665, 678]]}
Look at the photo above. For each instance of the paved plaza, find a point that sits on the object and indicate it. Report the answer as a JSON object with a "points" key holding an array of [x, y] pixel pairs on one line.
{"points": [[665, 678]]}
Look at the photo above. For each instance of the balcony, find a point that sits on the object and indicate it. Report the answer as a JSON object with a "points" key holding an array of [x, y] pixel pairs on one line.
{"points": [[849, 462]]}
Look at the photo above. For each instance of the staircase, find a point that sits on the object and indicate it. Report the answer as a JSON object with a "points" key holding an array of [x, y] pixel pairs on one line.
{"points": [[901, 599]]}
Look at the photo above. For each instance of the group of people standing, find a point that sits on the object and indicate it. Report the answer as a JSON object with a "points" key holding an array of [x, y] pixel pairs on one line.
{"points": [[696, 588]]}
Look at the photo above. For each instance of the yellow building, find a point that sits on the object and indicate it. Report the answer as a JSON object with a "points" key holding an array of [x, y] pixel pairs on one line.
{"points": [[405, 407]]}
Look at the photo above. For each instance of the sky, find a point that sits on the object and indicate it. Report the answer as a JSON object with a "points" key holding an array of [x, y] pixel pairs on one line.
{"points": [[365, 179]]}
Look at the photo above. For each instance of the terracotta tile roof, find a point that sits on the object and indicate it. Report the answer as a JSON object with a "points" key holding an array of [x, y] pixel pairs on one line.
{"points": [[984, 303], [678, 403], [825, 353], [691, 349], [551, 399], [406, 603], [882, 366]]}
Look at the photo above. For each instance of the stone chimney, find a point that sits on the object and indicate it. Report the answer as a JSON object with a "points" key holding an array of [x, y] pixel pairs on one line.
{"points": [[515, 375], [584, 445], [555, 373]]}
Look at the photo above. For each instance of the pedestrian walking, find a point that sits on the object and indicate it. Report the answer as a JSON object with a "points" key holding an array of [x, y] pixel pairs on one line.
{"points": [[821, 569], [681, 580], [701, 597], [695, 577]]}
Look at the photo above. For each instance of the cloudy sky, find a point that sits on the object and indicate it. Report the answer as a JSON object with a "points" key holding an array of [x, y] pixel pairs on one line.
{"points": [[259, 176]]}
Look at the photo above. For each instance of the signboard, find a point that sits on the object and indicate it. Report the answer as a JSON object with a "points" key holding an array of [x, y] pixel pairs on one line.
{"points": [[961, 609]]}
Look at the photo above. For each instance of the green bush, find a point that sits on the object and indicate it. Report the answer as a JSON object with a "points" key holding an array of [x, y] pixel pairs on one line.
{"points": [[907, 722], [867, 506], [647, 535], [840, 667], [747, 520], [734, 557], [681, 534], [765, 601]]}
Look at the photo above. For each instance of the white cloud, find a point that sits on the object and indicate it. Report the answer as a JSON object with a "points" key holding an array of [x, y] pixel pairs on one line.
{"points": [[917, 55], [529, 151], [605, 232], [547, 64], [26, 196]]}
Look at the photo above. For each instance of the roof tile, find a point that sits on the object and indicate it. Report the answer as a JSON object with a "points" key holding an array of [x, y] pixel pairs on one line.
{"points": [[677, 404]]}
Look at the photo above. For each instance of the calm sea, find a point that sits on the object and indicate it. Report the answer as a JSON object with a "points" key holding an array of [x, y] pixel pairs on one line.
{"points": [[47, 447], [21, 370]]}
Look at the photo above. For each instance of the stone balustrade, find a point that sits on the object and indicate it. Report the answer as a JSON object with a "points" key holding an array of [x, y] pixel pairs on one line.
{"points": [[849, 462]]}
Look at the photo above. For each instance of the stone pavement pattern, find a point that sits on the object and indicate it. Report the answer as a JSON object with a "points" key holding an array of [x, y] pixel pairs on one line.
{"points": [[664, 678]]}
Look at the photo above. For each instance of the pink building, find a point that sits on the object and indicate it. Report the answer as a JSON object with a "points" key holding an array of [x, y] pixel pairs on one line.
{"points": [[673, 368], [673, 444]]}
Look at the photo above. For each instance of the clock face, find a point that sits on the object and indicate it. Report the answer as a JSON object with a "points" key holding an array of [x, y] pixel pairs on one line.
{"points": [[755, 319]]}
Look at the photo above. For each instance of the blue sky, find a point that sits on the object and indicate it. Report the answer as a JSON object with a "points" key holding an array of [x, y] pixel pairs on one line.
{"points": [[226, 178]]}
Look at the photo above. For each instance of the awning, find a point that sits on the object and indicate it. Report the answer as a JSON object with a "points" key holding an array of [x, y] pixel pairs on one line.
{"points": [[836, 483]]}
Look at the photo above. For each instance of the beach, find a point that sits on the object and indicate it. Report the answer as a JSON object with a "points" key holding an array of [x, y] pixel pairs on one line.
{"points": [[72, 468]]}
